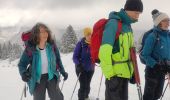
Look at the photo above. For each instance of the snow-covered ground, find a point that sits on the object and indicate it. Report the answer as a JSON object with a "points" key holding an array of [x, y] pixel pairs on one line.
{"points": [[11, 85]]}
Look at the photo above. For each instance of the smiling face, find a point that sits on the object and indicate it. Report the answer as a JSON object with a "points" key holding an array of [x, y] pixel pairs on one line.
{"points": [[164, 24], [43, 36], [88, 37]]}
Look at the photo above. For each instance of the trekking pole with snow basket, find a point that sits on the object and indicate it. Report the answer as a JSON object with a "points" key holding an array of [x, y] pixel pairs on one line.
{"points": [[75, 86], [23, 92], [99, 87], [164, 91], [136, 72]]}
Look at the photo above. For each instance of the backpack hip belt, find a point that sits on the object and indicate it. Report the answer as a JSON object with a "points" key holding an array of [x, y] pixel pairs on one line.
{"points": [[120, 62]]}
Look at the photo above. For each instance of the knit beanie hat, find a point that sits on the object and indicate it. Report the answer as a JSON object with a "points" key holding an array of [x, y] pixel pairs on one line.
{"points": [[87, 31], [133, 5], [158, 16]]}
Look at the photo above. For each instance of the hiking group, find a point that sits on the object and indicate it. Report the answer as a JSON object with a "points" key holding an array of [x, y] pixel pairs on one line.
{"points": [[111, 44]]}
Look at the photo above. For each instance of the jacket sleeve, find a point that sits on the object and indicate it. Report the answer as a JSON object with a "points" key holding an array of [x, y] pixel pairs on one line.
{"points": [[23, 62], [77, 54], [105, 51], [59, 62], [148, 49]]}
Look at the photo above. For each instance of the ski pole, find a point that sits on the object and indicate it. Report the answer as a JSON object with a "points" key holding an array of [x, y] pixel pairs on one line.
{"points": [[136, 71], [62, 85], [139, 91], [75, 85], [99, 87], [23, 92], [59, 80], [164, 91]]}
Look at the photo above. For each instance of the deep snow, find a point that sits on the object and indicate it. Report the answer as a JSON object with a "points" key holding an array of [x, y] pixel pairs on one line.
{"points": [[11, 85]]}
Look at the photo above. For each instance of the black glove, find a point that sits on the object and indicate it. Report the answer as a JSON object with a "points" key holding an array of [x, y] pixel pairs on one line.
{"points": [[132, 79], [97, 61], [168, 66], [161, 67], [65, 75], [168, 69], [79, 68], [26, 76]]}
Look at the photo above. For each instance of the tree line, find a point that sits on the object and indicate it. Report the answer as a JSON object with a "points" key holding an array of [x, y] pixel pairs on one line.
{"points": [[66, 45]]}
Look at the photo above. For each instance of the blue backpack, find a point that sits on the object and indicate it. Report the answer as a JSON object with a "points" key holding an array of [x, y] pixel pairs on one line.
{"points": [[146, 34]]}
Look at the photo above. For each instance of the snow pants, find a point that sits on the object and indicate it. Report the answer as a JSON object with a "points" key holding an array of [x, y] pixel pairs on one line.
{"points": [[154, 83], [116, 89], [52, 87], [85, 80]]}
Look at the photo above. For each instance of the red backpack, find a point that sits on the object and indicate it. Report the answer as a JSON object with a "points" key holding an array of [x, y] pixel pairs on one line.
{"points": [[96, 37], [25, 37]]}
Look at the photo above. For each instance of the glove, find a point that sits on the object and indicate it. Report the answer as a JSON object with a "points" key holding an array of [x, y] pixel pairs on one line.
{"points": [[65, 75], [168, 69], [26, 76], [162, 63], [168, 66], [161, 66], [97, 61], [132, 79], [79, 68]]}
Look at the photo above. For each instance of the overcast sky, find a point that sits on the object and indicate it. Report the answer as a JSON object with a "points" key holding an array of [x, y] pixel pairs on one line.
{"points": [[78, 13]]}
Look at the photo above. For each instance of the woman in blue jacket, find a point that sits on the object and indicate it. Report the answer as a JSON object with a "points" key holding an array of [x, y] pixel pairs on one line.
{"points": [[43, 57], [83, 63], [156, 53]]}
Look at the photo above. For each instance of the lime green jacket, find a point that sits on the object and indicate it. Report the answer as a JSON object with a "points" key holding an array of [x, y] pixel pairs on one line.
{"points": [[112, 50]]}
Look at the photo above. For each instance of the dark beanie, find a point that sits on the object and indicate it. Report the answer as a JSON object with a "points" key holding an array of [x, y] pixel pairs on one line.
{"points": [[134, 5]]}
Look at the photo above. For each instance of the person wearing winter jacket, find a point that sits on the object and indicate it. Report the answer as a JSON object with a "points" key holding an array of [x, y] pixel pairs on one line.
{"points": [[114, 54], [43, 58], [83, 64], [156, 53]]}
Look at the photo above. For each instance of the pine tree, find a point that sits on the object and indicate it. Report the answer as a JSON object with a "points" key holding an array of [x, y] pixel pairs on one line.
{"points": [[69, 40], [9, 49], [4, 51], [16, 52], [0, 51]]}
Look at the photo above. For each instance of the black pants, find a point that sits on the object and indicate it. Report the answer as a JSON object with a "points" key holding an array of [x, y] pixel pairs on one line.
{"points": [[154, 83], [116, 89], [52, 87], [84, 79]]}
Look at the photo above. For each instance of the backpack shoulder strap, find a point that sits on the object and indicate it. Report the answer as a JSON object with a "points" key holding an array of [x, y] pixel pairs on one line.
{"points": [[157, 35], [119, 29], [157, 38], [54, 48], [29, 51], [81, 46]]}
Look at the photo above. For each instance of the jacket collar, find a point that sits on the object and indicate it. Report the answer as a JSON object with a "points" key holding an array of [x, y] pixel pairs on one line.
{"points": [[125, 18]]}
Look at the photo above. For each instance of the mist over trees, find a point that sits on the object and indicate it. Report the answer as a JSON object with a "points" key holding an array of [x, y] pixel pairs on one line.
{"points": [[14, 51], [10, 51], [68, 40]]}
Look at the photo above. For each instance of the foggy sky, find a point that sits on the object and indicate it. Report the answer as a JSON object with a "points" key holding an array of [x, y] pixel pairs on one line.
{"points": [[79, 13]]}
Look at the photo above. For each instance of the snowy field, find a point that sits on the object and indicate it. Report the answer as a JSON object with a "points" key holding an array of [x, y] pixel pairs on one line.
{"points": [[11, 85]]}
